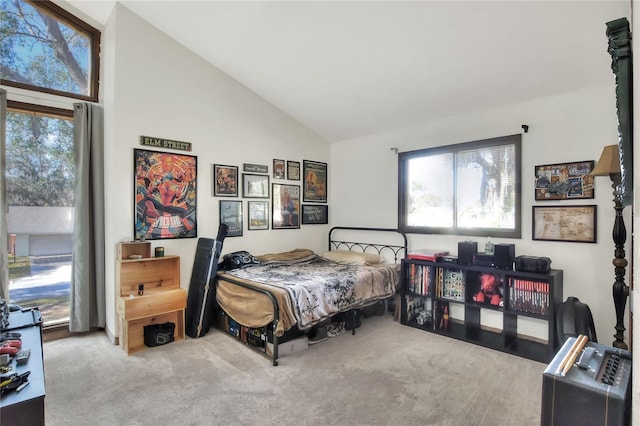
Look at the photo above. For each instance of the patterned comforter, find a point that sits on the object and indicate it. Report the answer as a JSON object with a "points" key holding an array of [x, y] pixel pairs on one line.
{"points": [[319, 288]]}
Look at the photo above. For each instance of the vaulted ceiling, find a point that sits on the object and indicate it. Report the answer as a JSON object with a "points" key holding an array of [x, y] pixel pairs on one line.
{"points": [[351, 68]]}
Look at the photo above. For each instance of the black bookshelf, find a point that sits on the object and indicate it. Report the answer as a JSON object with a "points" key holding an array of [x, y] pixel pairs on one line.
{"points": [[428, 286]]}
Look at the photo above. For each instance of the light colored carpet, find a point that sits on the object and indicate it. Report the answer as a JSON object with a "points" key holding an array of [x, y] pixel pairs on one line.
{"points": [[387, 374]]}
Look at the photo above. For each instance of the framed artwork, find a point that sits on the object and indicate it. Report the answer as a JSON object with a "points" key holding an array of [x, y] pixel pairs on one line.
{"points": [[313, 214], [255, 186], [565, 180], [255, 168], [286, 206], [231, 215], [315, 181], [293, 170], [278, 169], [165, 195], [565, 223], [225, 181], [258, 215]]}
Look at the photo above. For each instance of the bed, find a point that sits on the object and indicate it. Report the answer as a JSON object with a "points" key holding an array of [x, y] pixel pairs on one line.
{"points": [[299, 289]]}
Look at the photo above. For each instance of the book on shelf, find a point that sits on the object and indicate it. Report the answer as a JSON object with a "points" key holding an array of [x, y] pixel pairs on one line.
{"points": [[453, 284], [427, 254], [529, 296], [419, 279]]}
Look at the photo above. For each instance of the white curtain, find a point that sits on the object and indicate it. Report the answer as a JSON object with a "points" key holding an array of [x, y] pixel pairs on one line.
{"points": [[87, 306], [4, 257]]}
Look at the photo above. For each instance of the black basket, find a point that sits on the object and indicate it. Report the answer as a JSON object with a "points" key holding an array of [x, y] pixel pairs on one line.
{"points": [[158, 334]]}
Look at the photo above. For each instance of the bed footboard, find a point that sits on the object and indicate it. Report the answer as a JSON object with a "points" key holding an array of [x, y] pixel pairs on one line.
{"points": [[274, 306]]}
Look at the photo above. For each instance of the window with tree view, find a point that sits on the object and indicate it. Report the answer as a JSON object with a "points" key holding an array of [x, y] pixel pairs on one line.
{"points": [[49, 57], [44, 48], [471, 189], [39, 173]]}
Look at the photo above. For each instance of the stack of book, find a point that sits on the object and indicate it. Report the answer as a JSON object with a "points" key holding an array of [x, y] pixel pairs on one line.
{"points": [[427, 254]]}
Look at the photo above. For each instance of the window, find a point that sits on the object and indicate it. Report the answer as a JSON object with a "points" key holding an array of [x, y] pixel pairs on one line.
{"points": [[44, 51], [45, 48], [471, 189], [39, 173]]}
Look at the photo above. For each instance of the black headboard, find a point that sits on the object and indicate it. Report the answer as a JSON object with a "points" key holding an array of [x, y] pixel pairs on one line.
{"points": [[392, 244]]}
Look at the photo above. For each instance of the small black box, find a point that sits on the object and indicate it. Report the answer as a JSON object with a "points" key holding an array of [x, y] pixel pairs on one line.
{"points": [[504, 255], [466, 250], [483, 259], [533, 264]]}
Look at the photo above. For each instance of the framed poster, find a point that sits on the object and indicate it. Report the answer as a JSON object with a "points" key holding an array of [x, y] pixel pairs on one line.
{"points": [[315, 181], [313, 214], [565, 223], [286, 206], [258, 215], [278, 169], [165, 195], [293, 170], [225, 181], [231, 215], [255, 186], [564, 180]]}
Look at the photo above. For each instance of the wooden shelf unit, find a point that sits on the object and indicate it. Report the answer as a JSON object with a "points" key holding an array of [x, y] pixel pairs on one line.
{"points": [[162, 300], [526, 296]]}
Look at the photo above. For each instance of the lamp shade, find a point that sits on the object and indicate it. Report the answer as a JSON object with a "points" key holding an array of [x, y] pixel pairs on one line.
{"points": [[608, 163]]}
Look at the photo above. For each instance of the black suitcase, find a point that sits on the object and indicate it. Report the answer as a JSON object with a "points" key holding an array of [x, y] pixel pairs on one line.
{"points": [[202, 296]]}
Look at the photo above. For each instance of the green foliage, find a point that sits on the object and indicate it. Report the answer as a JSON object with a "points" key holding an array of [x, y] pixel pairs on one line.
{"points": [[39, 50], [39, 161]]}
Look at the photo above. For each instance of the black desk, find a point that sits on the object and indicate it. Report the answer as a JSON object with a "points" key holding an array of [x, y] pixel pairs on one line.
{"points": [[27, 406]]}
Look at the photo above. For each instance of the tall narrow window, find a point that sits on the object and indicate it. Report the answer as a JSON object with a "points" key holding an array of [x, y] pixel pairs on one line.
{"points": [[465, 189], [45, 48], [39, 174]]}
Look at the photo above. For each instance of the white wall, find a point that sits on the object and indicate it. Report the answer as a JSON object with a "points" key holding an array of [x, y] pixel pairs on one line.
{"points": [[565, 128], [155, 87]]}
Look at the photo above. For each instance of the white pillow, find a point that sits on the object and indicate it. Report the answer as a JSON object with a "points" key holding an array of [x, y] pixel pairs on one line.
{"points": [[347, 257]]}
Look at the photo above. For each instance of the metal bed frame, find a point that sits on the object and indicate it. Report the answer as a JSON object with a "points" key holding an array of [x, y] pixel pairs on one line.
{"points": [[398, 252]]}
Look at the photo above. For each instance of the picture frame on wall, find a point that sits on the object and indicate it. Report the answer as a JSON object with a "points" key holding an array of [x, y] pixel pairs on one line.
{"points": [[225, 180], [255, 186], [165, 195], [255, 168], [293, 170], [564, 181], [258, 215], [315, 181], [231, 215], [315, 214], [278, 169], [565, 223], [285, 204]]}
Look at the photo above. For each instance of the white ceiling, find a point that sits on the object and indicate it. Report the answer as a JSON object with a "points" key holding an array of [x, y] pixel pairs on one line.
{"points": [[351, 68]]}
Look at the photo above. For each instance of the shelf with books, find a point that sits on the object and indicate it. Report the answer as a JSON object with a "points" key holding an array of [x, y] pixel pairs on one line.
{"points": [[484, 305], [528, 297]]}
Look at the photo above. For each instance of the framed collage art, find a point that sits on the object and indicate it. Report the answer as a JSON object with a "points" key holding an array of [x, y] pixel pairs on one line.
{"points": [[564, 181]]}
